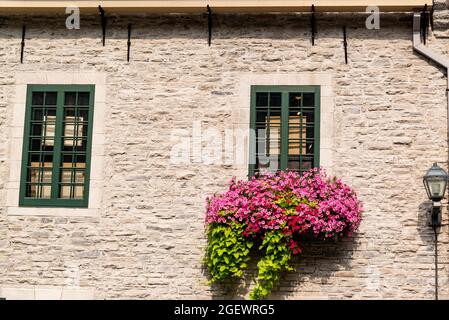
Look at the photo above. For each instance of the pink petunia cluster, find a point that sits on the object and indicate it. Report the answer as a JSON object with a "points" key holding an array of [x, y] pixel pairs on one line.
{"points": [[300, 205]]}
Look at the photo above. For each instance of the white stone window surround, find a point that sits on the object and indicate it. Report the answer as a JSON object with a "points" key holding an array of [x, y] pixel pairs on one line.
{"points": [[327, 104], [23, 79]]}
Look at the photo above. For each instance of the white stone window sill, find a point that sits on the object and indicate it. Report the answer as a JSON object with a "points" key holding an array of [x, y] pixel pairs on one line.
{"points": [[41, 211]]}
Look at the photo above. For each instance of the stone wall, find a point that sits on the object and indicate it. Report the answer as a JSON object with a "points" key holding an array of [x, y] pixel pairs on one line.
{"points": [[148, 241]]}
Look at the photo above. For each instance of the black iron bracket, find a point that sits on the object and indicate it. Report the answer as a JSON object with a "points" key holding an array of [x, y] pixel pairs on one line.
{"points": [[129, 41], [431, 14], [22, 45], [209, 24], [313, 25], [345, 44], [425, 18], [103, 23], [434, 215]]}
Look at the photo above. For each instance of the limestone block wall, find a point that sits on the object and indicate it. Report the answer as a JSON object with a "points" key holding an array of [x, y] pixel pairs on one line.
{"points": [[388, 126]]}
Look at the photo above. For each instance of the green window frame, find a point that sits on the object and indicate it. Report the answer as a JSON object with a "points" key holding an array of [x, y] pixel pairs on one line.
{"points": [[57, 146], [285, 128]]}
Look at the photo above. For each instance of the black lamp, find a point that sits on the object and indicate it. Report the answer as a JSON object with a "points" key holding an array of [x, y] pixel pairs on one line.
{"points": [[435, 182]]}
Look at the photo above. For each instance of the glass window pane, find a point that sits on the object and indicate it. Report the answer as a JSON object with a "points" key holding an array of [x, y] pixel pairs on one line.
{"points": [[50, 126], [67, 160], [78, 192], [79, 176], [308, 99], [73, 127], [31, 191], [273, 125], [69, 112], [37, 114], [297, 135], [39, 178], [64, 192], [33, 175], [37, 99], [50, 98], [294, 165], [80, 161], [83, 114], [83, 98], [66, 176], [46, 175], [70, 99], [295, 99], [262, 99], [46, 192], [275, 99], [306, 165], [36, 129]]}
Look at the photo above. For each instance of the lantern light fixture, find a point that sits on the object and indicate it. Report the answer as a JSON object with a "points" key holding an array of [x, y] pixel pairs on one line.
{"points": [[435, 183]]}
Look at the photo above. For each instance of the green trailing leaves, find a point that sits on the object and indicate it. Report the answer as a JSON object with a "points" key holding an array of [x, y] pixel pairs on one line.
{"points": [[276, 259], [228, 255], [228, 251]]}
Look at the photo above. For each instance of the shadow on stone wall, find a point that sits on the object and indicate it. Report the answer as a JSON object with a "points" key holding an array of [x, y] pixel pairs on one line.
{"points": [[225, 26], [425, 230]]}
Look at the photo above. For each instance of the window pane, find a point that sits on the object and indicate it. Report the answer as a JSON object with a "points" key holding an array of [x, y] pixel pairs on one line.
{"points": [[275, 99], [273, 125], [65, 192], [38, 113], [308, 99], [268, 131], [297, 135], [78, 192], [83, 98], [294, 164], [74, 146], [50, 98], [41, 143], [37, 99], [262, 99], [295, 99], [38, 191], [70, 99], [72, 174], [40, 177], [301, 131], [83, 114]]}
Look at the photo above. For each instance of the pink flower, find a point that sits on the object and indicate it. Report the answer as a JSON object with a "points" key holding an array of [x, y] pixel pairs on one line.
{"points": [[310, 203]]}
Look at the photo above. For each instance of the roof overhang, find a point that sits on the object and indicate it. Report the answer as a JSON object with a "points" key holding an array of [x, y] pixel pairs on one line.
{"points": [[219, 6]]}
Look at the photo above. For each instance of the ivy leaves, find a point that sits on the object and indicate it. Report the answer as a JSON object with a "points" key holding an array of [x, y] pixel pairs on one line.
{"points": [[228, 255], [276, 259], [228, 251]]}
